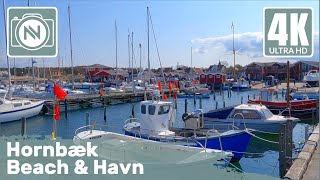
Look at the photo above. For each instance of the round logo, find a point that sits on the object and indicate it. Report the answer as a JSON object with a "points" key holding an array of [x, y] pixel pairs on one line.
{"points": [[32, 33]]}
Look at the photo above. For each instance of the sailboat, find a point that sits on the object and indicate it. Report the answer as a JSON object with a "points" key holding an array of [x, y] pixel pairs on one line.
{"points": [[12, 110], [240, 84]]}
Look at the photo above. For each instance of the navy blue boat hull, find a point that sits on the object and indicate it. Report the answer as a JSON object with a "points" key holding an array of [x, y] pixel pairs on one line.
{"points": [[235, 143]]}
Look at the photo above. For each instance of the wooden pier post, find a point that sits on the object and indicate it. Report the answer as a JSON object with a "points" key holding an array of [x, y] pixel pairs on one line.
{"points": [[282, 152], [194, 99], [285, 147], [200, 102], [132, 111], [216, 104], [317, 112], [241, 99], [175, 104], [254, 96], [248, 97], [186, 105], [214, 96], [289, 144], [65, 108], [105, 113], [224, 103], [23, 126], [87, 119]]}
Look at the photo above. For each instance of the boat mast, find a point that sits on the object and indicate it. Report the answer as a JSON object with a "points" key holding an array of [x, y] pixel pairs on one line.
{"points": [[149, 71], [44, 71], [140, 57], [132, 63], [234, 54], [288, 88], [116, 36], [70, 39], [191, 63], [129, 56]]}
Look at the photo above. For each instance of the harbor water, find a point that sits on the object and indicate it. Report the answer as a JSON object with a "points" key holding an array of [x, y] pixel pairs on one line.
{"points": [[261, 156]]}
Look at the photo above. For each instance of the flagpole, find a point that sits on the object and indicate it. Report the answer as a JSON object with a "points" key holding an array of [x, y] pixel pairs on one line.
{"points": [[54, 123]]}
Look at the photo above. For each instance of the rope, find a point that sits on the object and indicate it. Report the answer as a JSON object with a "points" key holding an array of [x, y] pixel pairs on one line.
{"points": [[246, 130], [264, 132]]}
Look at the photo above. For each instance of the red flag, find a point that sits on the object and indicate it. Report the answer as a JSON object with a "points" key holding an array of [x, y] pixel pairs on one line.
{"points": [[174, 95], [101, 92], [170, 86], [58, 92], [176, 84], [159, 85], [165, 97], [56, 112]]}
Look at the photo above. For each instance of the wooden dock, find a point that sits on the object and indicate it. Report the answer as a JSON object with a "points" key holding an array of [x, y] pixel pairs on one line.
{"points": [[306, 165]]}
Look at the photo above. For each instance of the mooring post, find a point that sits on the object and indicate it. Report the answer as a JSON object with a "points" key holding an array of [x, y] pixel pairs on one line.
{"points": [[306, 133], [200, 102], [186, 105], [132, 111], [23, 126], [282, 152], [241, 99], [216, 104], [289, 144], [175, 104], [87, 119], [214, 96], [65, 108], [194, 99], [317, 112], [224, 103], [105, 113], [254, 96], [248, 97]]}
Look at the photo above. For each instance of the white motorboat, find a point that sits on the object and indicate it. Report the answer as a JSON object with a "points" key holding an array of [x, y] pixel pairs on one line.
{"points": [[312, 78], [119, 147], [253, 116], [11, 110], [241, 85]]}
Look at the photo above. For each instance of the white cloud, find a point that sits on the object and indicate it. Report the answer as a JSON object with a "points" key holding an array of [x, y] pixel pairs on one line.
{"points": [[249, 44]]}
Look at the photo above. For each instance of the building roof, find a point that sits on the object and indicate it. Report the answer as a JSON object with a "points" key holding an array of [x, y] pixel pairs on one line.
{"points": [[312, 63]]}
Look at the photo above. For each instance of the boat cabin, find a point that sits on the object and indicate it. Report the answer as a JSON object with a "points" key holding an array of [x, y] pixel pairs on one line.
{"points": [[157, 117]]}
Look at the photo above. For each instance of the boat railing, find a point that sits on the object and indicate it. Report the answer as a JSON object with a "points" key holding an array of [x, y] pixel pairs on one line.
{"points": [[130, 120], [167, 138], [221, 126], [233, 119], [207, 135], [91, 127]]}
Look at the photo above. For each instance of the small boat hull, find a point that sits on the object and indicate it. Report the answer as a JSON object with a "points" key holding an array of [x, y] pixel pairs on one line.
{"points": [[235, 142], [198, 96], [28, 112]]}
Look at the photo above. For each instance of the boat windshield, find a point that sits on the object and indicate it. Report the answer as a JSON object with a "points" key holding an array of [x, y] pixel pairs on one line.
{"points": [[267, 113], [163, 109]]}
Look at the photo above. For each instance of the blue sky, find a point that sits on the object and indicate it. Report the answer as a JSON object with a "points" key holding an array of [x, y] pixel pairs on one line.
{"points": [[178, 25]]}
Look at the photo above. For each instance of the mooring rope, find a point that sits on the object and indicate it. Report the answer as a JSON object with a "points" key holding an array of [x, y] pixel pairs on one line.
{"points": [[253, 135]]}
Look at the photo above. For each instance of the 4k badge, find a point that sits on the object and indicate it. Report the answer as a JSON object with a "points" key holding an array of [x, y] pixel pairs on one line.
{"points": [[288, 32]]}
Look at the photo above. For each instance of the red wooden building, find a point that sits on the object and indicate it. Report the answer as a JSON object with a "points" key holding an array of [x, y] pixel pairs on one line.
{"points": [[212, 78]]}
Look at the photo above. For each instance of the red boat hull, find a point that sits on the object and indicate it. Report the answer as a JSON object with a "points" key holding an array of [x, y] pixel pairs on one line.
{"points": [[295, 104]]}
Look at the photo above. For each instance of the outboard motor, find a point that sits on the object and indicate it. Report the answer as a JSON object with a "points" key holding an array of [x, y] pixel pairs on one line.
{"points": [[191, 121]]}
